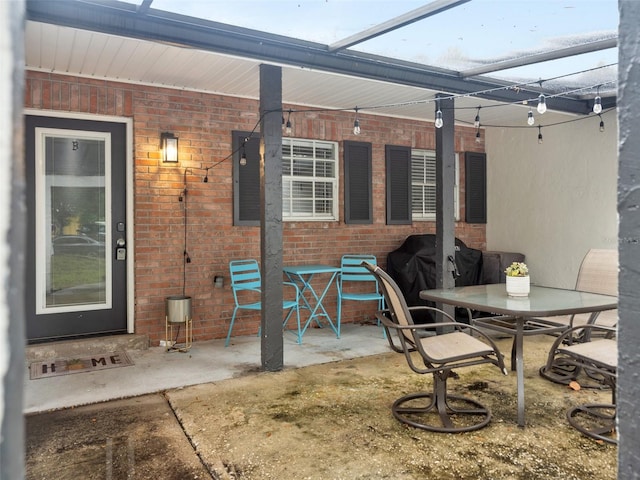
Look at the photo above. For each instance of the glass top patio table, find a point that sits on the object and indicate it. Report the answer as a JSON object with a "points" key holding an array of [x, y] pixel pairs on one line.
{"points": [[518, 312], [303, 276]]}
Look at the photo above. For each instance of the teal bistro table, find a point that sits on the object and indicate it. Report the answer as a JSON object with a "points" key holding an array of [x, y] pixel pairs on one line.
{"points": [[516, 316], [303, 276]]}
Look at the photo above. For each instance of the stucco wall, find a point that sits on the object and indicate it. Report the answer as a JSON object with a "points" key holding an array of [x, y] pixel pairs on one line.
{"points": [[556, 200]]}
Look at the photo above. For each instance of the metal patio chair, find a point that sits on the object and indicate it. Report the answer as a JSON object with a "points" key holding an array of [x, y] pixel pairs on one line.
{"points": [[440, 355], [246, 287], [598, 274], [356, 283], [599, 358]]}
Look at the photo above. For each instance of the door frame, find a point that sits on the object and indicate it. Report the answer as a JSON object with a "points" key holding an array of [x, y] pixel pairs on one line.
{"points": [[128, 122]]}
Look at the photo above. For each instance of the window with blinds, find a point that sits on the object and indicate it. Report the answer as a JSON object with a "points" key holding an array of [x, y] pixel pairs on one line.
{"points": [[309, 179], [423, 185]]}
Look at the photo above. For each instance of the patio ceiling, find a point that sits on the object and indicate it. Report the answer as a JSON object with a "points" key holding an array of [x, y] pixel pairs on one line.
{"points": [[135, 43]]}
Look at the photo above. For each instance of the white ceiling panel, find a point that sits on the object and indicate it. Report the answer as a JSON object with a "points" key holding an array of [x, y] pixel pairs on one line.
{"points": [[97, 55]]}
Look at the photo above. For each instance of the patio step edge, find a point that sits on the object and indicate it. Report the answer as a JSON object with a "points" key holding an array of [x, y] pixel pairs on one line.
{"points": [[85, 346]]}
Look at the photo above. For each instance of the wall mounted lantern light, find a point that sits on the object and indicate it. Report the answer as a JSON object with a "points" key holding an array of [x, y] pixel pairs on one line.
{"points": [[169, 147]]}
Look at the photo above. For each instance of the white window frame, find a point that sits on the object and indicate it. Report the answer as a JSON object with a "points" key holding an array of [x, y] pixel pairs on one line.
{"points": [[307, 152], [430, 156]]}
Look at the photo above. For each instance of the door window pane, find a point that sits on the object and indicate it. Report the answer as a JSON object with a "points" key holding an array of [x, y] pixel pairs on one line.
{"points": [[74, 271]]}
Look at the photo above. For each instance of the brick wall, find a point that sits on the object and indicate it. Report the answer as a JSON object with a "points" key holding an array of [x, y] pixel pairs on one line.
{"points": [[203, 123]]}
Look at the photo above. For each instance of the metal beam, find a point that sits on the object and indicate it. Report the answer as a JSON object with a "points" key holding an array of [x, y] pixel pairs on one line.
{"points": [[542, 57], [410, 17], [145, 6]]}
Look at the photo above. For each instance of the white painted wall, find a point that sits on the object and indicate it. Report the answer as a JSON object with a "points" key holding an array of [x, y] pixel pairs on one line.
{"points": [[556, 200]]}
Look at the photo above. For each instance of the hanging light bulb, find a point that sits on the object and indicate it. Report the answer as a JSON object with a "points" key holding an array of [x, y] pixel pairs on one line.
{"points": [[601, 123], [476, 122], [539, 134], [597, 104], [542, 104], [439, 121], [356, 124], [478, 137], [530, 119], [243, 155], [287, 127]]}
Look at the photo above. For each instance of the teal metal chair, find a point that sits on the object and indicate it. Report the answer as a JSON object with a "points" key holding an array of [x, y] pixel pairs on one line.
{"points": [[246, 286], [356, 283]]}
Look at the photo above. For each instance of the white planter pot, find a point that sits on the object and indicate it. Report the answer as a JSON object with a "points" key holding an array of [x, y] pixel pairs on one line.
{"points": [[518, 286]]}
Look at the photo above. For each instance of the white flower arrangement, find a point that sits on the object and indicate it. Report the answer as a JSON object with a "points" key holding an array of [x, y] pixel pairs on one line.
{"points": [[517, 269]]}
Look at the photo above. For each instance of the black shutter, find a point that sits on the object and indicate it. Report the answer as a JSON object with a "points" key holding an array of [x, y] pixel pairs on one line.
{"points": [[475, 171], [398, 166], [246, 179], [358, 205]]}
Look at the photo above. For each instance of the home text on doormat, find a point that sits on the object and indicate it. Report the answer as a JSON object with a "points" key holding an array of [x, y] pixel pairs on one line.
{"points": [[90, 363]]}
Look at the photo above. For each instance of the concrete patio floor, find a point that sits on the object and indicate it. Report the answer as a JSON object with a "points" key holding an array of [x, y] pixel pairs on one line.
{"points": [[156, 370], [210, 413]]}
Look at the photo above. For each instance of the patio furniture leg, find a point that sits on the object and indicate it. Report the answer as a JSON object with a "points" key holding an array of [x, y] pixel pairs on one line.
{"points": [[519, 346], [465, 416], [233, 318], [598, 421]]}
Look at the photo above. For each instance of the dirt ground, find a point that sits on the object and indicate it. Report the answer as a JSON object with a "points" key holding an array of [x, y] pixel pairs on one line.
{"points": [[137, 438], [330, 421], [334, 422]]}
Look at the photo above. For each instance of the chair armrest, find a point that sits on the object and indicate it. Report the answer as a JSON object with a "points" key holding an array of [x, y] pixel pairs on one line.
{"points": [[433, 326], [567, 335], [388, 324], [297, 289]]}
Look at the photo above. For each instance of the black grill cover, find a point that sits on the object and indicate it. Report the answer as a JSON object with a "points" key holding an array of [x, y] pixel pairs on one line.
{"points": [[413, 267]]}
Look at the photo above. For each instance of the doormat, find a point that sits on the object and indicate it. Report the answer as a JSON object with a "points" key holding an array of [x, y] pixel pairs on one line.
{"points": [[66, 366]]}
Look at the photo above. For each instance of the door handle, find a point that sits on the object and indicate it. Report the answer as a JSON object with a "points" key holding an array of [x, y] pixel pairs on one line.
{"points": [[121, 251]]}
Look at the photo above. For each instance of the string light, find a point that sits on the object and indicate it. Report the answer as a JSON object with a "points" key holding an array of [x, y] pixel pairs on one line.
{"points": [[530, 119], [439, 122], [478, 137], [356, 124], [287, 128], [476, 122], [541, 101], [597, 102], [243, 155], [542, 104]]}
